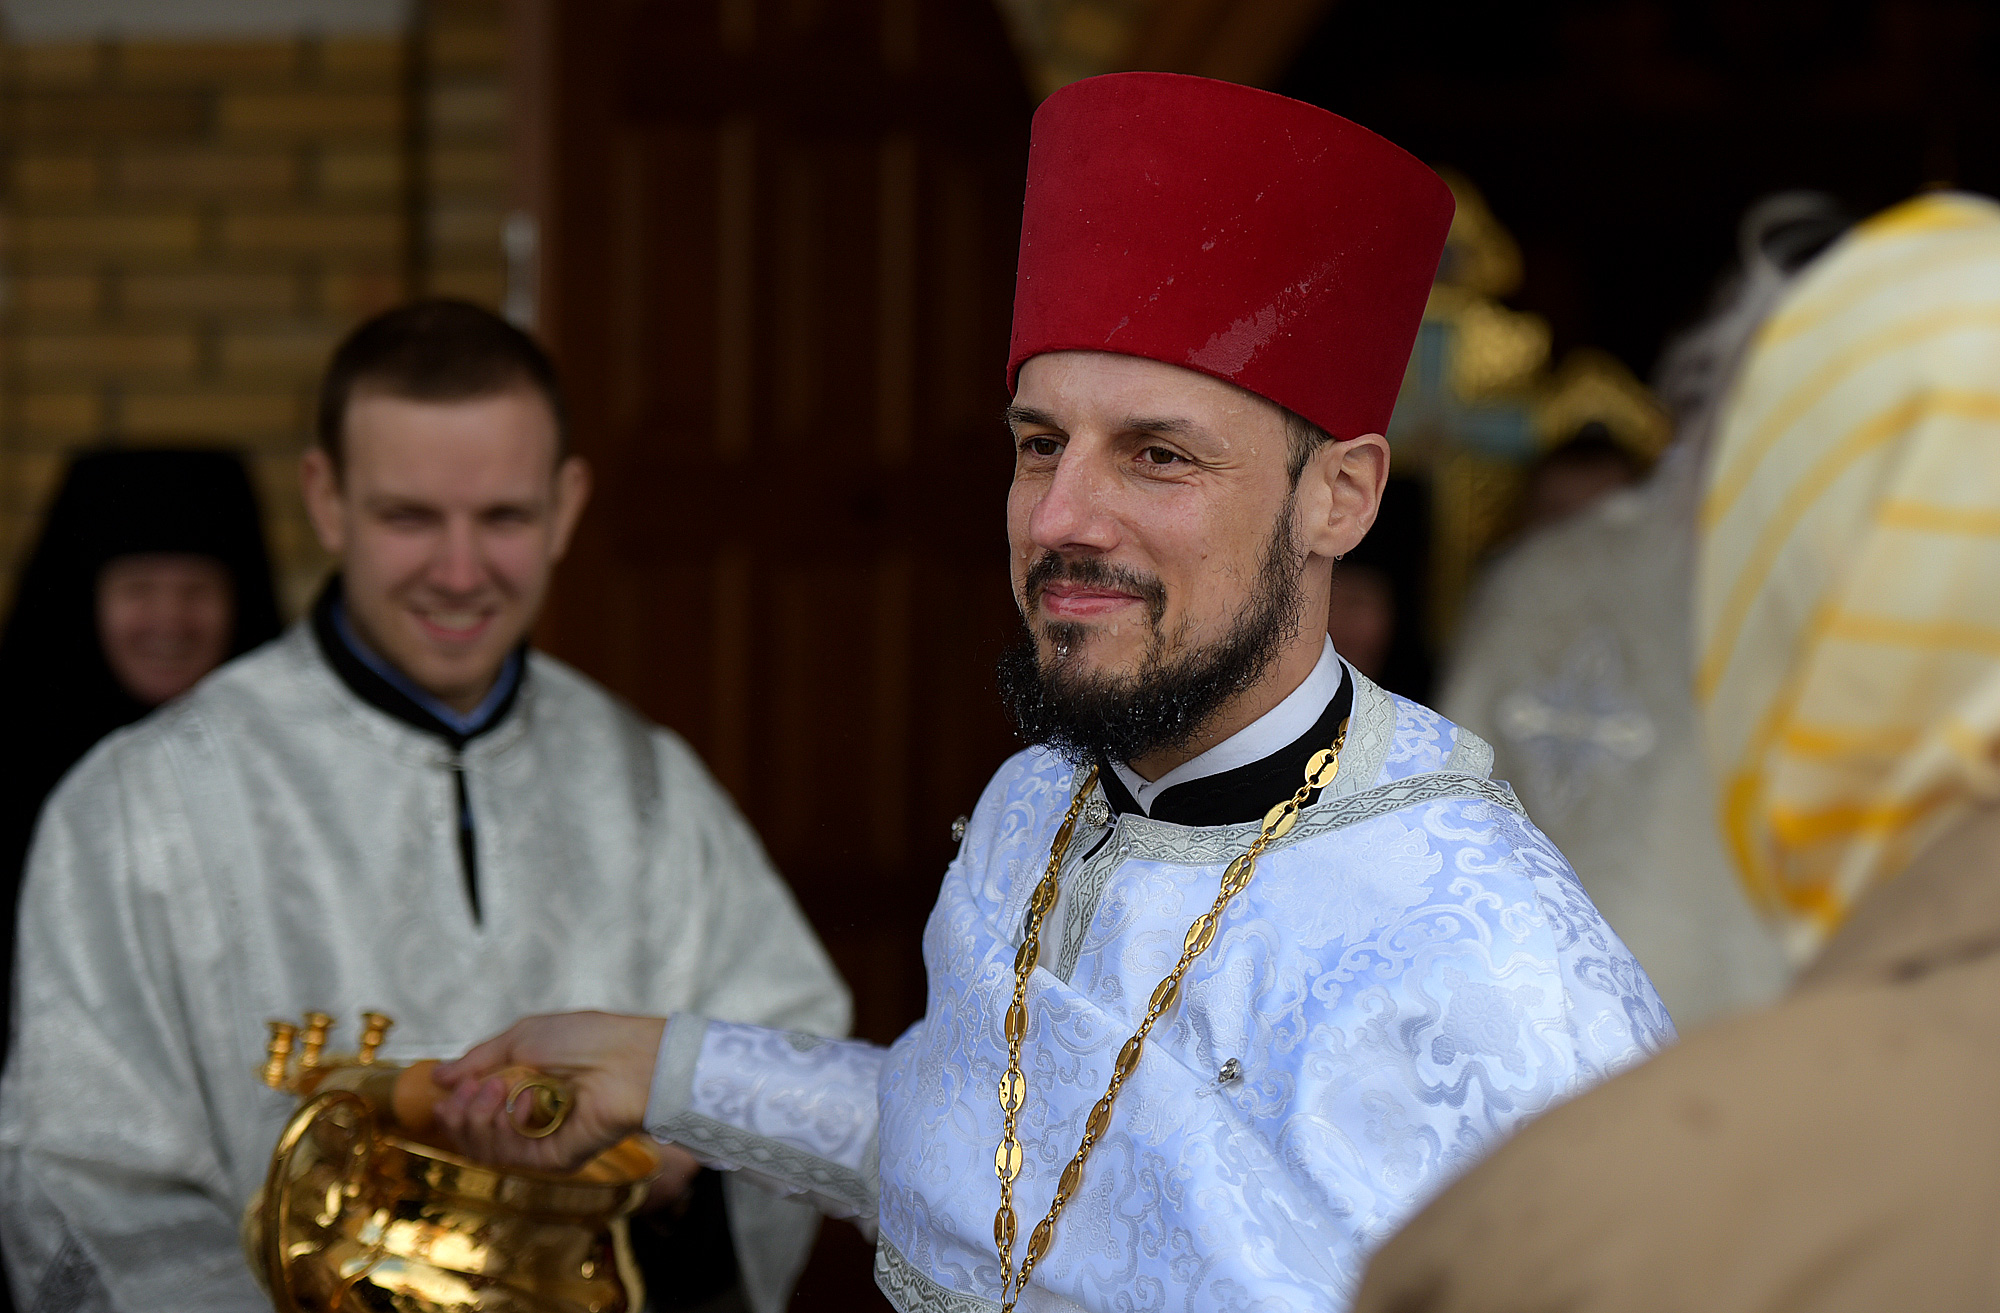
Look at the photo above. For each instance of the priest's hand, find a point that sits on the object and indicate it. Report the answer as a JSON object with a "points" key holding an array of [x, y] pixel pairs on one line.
{"points": [[608, 1058]]}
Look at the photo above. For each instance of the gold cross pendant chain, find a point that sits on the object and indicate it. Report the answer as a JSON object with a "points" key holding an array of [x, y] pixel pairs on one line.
{"points": [[1320, 771]]}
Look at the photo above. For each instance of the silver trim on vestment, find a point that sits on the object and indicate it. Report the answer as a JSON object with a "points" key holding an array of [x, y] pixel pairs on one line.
{"points": [[911, 1291]]}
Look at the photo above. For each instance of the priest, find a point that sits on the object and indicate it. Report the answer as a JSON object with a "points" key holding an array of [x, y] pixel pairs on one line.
{"points": [[1245, 957]]}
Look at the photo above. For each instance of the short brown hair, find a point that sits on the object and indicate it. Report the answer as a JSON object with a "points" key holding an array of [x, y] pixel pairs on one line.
{"points": [[1302, 438], [435, 350]]}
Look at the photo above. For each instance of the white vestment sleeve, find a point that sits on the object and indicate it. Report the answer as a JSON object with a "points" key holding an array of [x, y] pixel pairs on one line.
{"points": [[112, 1194], [796, 1112]]}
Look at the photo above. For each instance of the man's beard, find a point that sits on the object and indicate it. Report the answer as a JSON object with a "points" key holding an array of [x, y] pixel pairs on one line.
{"points": [[1165, 705]]}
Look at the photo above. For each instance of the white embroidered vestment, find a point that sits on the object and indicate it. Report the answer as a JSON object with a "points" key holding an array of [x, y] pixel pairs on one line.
{"points": [[1413, 972]]}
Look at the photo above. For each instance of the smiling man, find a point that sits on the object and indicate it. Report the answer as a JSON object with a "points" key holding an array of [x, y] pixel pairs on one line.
{"points": [[395, 806], [1245, 958]]}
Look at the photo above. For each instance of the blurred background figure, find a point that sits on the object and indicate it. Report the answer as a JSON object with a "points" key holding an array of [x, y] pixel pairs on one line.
{"points": [[395, 797], [151, 572], [1575, 474], [1835, 1151], [1576, 659]]}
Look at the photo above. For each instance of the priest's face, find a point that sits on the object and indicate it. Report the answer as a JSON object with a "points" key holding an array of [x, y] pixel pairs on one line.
{"points": [[448, 518], [1161, 556]]}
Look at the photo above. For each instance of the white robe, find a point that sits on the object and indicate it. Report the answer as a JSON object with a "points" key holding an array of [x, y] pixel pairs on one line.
{"points": [[272, 844], [1413, 972]]}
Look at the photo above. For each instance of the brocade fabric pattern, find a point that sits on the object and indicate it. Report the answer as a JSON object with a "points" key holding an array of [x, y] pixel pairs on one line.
{"points": [[795, 1111], [1414, 971]]}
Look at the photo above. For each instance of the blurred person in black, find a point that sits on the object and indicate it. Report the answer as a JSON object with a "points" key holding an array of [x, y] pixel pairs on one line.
{"points": [[150, 572]]}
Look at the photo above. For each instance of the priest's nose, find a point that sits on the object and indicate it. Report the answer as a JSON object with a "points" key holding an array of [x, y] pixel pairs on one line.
{"points": [[1074, 511], [459, 565]]}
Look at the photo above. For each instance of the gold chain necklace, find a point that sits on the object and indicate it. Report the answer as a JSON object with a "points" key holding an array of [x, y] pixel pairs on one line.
{"points": [[1320, 771]]}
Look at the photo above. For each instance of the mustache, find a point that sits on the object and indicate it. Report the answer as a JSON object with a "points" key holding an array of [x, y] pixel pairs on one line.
{"points": [[1091, 572]]}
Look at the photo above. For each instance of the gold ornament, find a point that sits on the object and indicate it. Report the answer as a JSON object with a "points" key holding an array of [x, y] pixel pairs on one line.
{"points": [[1278, 822], [362, 1210]]}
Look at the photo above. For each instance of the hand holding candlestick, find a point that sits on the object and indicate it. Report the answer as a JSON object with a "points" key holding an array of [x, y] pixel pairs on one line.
{"points": [[404, 1097], [608, 1060], [370, 1201]]}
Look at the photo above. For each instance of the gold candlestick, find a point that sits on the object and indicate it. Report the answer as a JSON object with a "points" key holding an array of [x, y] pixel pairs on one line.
{"points": [[374, 1028], [317, 1026], [361, 1147], [279, 1054]]}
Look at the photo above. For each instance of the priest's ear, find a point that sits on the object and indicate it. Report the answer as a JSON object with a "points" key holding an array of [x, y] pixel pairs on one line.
{"points": [[572, 489], [319, 481], [1338, 489]]}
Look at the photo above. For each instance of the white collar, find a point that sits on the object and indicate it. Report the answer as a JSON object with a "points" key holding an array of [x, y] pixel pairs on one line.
{"points": [[1277, 728]]}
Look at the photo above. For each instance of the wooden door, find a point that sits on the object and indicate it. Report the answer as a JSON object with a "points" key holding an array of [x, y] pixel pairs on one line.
{"points": [[780, 239]]}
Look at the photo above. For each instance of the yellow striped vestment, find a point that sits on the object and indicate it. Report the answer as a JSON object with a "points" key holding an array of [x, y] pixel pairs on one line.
{"points": [[1848, 596]]}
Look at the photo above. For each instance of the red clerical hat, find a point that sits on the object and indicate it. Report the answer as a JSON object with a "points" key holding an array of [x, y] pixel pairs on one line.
{"points": [[1248, 236]]}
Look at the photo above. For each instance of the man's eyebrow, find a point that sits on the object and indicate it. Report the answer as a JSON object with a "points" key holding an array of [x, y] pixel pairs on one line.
{"points": [[391, 501], [1175, 427], [1016, 416]]}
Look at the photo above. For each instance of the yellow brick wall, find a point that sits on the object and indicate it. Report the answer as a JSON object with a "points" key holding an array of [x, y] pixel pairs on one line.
{"points": [[465, 149], [186, 228]]}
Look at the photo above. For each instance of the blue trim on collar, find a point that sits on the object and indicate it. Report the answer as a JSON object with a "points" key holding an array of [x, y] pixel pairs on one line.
{"points": [[464, 723]]}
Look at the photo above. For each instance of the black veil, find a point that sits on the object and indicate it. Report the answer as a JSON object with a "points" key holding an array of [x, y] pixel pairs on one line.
{"points": [[58, 691]]}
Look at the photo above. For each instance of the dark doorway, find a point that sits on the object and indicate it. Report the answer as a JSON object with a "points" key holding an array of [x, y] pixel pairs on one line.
{"points": [[781, 241]]}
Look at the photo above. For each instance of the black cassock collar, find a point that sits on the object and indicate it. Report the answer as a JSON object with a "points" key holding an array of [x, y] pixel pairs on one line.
{"points": [[1246, 792], [385, 697]]}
